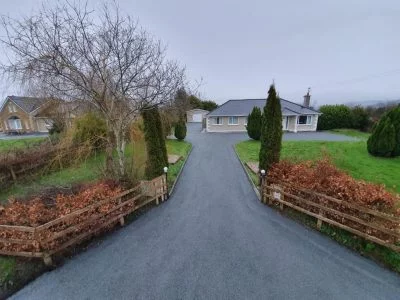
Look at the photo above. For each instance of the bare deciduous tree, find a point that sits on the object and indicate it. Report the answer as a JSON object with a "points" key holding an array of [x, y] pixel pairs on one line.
{"points": [[105, 59]]}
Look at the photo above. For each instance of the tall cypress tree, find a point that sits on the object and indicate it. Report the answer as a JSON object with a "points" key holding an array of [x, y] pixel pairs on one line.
{"points": [[157, 157], [271, 131]]}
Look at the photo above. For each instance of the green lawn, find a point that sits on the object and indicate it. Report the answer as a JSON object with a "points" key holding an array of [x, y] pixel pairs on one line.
{"points": [[351, 157], [352, 133], [18, 143], [88, 171]]}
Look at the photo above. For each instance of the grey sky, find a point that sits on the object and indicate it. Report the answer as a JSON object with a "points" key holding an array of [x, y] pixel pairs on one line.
{"points": [[345, 50]]}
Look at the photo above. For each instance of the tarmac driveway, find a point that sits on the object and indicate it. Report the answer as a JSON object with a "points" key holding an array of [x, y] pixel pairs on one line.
{"points": [[214, 240]]}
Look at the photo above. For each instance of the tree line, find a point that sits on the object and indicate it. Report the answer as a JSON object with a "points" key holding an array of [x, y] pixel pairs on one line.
{"points": [[357, 117]]}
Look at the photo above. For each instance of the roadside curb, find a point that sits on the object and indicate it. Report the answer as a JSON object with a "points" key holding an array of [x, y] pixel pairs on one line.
{"points": [[180, 171], [256, 191]]}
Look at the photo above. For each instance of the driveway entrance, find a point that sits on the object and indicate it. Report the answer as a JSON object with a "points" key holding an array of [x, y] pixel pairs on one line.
{"points": [[214, 240]]}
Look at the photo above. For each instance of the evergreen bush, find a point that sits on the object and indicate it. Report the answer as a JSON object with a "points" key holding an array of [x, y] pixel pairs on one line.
{"points": [[254, 124], [180, 130], [90, 129], [385, 138]]}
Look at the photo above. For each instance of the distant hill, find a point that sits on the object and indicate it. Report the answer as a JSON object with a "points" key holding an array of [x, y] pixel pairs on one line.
{"points": [[374, 103]]}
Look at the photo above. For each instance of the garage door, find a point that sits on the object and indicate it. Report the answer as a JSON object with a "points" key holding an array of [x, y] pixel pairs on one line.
{"points": [[197, 117]]}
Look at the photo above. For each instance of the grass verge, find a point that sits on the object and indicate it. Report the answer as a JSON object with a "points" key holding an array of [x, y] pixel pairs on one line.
{"points": [[14, 143], [181, 148], [378, 253]]}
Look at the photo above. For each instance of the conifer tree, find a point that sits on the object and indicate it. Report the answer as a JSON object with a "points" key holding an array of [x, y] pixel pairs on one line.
{"points": [[254, 124], [180, 129], [383, 141], [271, 131], [157, 157]]}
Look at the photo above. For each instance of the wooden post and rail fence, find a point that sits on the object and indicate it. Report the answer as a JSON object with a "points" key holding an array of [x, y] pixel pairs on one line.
{"points": [[55, 236], [372, 225]]}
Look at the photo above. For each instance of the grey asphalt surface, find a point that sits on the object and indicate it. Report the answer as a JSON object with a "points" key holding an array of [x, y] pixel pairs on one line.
{"points": [[22, 136], [214, 240]]}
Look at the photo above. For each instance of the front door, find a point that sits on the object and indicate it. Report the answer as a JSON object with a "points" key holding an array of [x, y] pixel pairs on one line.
{"points": [[285, 121]]}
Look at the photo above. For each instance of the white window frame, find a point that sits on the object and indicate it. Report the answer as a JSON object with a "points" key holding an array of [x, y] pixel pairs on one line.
{"points": [[308, 121], [216, 119], [246, 119], [231, 118], [15, 124]]}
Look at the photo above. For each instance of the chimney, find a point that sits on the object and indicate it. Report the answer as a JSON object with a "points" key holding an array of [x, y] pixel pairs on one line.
{"points": [[307, 98]]}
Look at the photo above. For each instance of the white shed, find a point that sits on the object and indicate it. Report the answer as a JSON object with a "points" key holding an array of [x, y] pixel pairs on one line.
{"points": [[196, 115]]}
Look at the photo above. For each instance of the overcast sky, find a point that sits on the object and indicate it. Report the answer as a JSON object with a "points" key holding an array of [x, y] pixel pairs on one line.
{"points": [[344, 50]]}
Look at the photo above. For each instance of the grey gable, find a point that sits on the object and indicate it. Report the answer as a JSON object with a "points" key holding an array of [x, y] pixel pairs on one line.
{"points": [[243, 107], [28, 104]]}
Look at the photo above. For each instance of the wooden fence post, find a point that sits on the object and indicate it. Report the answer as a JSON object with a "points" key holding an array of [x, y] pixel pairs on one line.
{"points": [[320, 213], [282, 198], [47, 260], [121, 219], [155, 193], [262, 186], [14, 177]]}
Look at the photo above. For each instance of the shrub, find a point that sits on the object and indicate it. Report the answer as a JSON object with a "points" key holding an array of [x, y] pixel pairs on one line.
{"points": [[335, 116], [156, 149], [180, 130], [254, 124], [324, 177], [385, 138], [360, 118], [56, 128], [90, 129], [271, 131]]}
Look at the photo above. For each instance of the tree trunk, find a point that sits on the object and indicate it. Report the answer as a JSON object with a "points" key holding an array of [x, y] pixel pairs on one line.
{"points": [[120, 143], [109, 151]]}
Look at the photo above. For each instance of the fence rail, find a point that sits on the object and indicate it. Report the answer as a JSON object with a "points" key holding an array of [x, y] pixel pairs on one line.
{"points": [[372, 225], [55, 236]]}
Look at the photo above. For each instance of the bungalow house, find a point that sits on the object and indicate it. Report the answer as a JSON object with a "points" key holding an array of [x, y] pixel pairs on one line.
{"points": [[28, 114], [232, 115]]}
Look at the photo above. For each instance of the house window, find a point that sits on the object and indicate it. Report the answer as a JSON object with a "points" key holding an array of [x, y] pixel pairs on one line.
{"points": [[245, 120], [14, 123], [304, 120], [217, 121], [233, 121]]}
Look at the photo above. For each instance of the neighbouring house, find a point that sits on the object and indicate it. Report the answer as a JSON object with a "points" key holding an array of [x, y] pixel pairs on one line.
{"points": [[196, 115], [232, 115], [30, 114]]}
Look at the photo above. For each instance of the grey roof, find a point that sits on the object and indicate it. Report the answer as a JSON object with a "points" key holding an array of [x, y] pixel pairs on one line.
{"points": [[243, 107], [28, 104]]}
